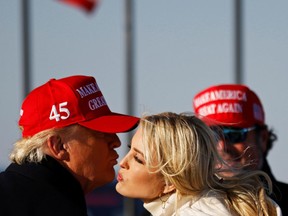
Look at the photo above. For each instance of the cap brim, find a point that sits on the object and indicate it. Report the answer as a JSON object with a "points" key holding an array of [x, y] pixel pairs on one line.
{"points": [[112, 123]]}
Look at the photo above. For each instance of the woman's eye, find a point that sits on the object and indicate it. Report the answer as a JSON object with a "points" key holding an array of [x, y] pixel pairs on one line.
{"points": [[138, 160]]}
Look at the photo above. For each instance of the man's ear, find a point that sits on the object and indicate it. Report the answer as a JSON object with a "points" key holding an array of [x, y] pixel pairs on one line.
{"points": [[263, 139], [56, 148]]}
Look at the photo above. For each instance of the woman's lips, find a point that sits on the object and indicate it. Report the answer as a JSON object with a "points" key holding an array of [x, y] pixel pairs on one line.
{"points": [[119, 177]]}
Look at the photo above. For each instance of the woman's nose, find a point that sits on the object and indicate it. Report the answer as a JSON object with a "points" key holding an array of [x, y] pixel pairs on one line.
{"points": [[124, 162]]}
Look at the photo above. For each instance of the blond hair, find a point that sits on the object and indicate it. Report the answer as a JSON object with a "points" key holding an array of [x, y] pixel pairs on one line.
{"points": [[32, 149], [184, 149]]}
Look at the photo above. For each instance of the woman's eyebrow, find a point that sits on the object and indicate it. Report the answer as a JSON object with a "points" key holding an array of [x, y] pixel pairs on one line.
{"points": [[138, 151]]}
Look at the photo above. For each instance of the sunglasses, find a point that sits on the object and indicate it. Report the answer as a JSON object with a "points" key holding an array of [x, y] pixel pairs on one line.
{"points": [[232, 135]]}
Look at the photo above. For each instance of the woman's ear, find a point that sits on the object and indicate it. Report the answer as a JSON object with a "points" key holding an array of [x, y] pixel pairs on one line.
{"points": [[57, 148], [168, 188]]}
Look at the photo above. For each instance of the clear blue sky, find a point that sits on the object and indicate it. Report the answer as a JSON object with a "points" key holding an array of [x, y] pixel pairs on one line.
{"points": [[181, 47]]}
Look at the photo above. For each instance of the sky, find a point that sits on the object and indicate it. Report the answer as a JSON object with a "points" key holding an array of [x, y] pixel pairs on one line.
{"points": [[181, 47]]}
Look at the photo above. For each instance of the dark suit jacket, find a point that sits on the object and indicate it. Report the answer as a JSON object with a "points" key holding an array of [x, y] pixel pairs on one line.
{"points": [[42, 189], [280, 190]]}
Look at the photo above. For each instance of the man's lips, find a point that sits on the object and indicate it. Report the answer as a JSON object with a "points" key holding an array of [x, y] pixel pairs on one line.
{"points": [[114, 158]]}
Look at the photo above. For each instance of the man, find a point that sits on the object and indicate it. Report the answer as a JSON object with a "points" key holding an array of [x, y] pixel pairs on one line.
{"points": [[237, 116], [67, 149]]}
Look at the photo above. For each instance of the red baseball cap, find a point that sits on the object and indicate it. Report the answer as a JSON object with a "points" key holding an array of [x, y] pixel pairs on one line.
{"points": [[229, 105], [71, 100]]}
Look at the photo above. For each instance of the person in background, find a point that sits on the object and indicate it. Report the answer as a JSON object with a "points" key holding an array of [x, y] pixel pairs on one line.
{"points": [[171, 167], [236, 114], [67, 149]]}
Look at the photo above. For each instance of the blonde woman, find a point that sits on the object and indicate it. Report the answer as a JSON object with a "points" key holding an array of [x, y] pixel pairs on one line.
{"points": [[171, 166]]}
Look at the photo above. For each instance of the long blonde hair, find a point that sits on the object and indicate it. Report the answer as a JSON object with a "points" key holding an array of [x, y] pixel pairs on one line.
{"points": [[185, 150]]}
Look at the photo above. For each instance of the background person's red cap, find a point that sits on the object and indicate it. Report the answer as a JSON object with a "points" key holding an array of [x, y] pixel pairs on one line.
{"points": [[229, 105], [71, 100]]}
